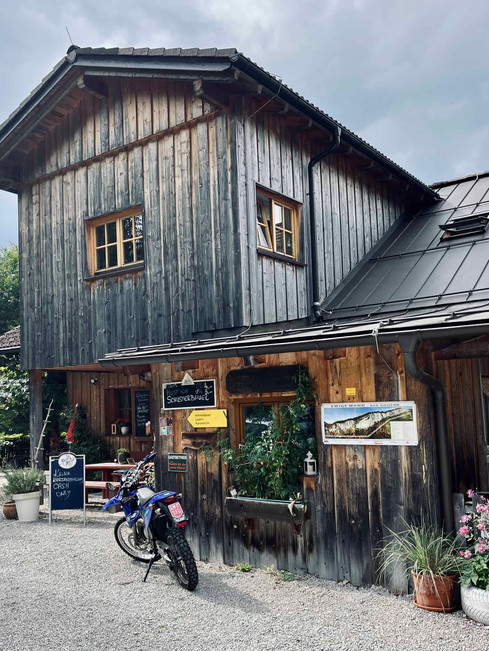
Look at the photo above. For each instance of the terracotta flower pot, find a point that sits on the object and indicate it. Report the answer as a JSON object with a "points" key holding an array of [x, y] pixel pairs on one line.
{"points": [[10, 511], [434, 594]]}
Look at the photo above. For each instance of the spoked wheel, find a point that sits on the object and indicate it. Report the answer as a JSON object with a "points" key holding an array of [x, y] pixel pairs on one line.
{"points": [[132, 541], [182, 560]]}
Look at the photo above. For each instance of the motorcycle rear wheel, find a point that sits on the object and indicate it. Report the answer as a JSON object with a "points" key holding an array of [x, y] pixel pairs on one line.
{"points": [[127, 539], [182, 560]]}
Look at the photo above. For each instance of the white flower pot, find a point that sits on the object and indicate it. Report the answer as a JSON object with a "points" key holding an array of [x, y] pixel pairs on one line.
{"points": [[475, 604], [27, 505], [125, 430]]}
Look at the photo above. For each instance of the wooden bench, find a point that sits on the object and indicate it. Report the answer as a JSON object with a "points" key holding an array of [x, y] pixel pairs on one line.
{"points": [[100, 485]]}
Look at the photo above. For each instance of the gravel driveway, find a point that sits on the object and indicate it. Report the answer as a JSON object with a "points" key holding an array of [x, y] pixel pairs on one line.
{"points": [[69, 587]]}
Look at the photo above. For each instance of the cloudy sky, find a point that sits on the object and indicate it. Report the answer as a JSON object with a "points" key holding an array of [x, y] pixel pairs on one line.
{"points": [[409, 76]]}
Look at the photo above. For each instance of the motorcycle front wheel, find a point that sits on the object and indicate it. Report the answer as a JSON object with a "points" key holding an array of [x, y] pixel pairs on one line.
{"points": [[182, 560], [136, 546]]}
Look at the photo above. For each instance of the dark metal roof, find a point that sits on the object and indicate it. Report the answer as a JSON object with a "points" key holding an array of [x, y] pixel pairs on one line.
{"points": [[198, 60], [10, 341], [414, 270]]}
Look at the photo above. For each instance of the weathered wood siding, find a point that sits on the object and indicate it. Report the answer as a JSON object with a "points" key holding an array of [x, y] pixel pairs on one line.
{"points": [[353, 212], [102, 157], [361, 490], [461, 379]]}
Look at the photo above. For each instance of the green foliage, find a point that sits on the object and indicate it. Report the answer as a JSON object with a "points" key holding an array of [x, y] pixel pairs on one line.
{"points": [[9, 287], [424, 549], [475, 531], [244, 567], [14, 399], [93, 446], [13, 446], [23, 480], [281, 575], [270, 461]]}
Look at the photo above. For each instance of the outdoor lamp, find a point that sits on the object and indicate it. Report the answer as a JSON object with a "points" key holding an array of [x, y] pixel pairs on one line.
{"points": [[310, 465]]}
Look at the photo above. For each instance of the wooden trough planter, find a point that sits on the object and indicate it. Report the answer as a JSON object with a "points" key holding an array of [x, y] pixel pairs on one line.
{"points": [[253, 507]]}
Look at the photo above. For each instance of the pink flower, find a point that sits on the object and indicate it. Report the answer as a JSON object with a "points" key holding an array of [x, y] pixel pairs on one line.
{"points": [[464, 531], [467, 554], [481, 526], [482, 508], [464, 518], [470, 493], [483, 498], [481, 547]]}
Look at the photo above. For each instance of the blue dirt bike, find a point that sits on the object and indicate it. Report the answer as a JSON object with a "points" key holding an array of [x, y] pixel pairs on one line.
{"points": [[153, 526]]}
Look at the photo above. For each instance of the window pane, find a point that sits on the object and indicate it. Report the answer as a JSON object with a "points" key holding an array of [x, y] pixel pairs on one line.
{"points": [[256, 420], [263, 236], [138, 225], [112, 256], [111, 232], [288, 218], [100, 235], [139, 250], [279, 241], [128, 252], [277, 215], [127, 228], [101, 259], [289, 247]]}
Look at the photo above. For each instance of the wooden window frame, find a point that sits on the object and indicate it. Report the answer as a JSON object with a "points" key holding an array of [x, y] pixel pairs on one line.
{"points": [[272, 228], [118, 218]]}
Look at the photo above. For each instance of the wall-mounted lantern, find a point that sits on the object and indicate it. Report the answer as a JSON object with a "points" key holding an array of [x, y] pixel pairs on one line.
{"points": [[310, 465]]}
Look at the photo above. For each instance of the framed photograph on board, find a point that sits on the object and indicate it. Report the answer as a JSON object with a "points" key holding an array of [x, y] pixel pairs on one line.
{"points": [[369, 423]]}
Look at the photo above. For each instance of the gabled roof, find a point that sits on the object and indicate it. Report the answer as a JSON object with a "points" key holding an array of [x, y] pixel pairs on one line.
{"points": [[10, 341], [210, 63], [414, 270]]}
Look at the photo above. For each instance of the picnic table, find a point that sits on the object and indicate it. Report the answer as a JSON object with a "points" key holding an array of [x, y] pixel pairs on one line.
{"points": [[111, 472]]}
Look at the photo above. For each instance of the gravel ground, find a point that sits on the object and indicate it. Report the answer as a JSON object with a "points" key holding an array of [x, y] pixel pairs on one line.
{"points": [[69, 586]]}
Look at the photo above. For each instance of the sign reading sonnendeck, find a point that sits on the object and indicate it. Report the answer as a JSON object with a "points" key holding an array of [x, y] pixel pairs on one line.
{"points": [[199, 395]]}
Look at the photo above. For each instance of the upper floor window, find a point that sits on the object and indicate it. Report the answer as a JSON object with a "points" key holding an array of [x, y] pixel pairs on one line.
{"points": [[277, 224], [116, 241]]}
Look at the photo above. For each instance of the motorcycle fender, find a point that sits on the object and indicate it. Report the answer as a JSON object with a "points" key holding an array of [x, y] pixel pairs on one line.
{"points": [[114, 501]]}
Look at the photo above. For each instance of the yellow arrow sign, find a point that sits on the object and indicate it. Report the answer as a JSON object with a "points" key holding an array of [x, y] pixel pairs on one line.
{"points": [[208, 418]]}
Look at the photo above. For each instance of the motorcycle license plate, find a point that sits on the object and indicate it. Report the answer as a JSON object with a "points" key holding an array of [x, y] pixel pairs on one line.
{"points": [[175, 510]]}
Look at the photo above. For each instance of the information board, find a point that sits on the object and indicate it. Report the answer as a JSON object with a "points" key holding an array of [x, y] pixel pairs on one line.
{"points": [[177, 462], [200, 394], [66, 482], [142, 406]]}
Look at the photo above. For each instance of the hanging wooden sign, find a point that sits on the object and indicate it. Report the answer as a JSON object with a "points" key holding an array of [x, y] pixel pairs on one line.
{"points": [[274, 379], [200, 394]]}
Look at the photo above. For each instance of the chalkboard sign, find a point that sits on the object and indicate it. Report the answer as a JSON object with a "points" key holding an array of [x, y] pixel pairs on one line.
{"points": [[202, 393], [273, 379], [141, 403], [66, 482]]}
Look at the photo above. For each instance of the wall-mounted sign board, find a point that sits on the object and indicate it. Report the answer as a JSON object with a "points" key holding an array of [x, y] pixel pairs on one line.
{"points": [[66, 483], [369, 423], [208, 418], [142, 409], [199, 395], [273, 379], [177, 462]]}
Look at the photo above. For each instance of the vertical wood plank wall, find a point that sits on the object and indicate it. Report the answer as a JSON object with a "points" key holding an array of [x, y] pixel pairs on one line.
{"points": [[361, 490], [194, 177], [461, 379], [353, 212], [181, 179]]}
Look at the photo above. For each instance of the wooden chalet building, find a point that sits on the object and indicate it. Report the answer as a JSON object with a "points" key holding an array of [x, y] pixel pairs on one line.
{"points": [[185, 211]]}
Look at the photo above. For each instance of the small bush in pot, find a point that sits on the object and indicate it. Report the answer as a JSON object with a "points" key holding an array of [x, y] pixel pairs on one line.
{"points": [[24, 485], [431, 557], [8, 505], [475, 569]]}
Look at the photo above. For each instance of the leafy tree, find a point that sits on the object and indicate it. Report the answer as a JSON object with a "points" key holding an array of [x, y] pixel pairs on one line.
{"points": [[9, 287]]}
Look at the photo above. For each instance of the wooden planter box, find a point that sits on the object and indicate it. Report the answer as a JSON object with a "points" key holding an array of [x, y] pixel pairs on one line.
{"points": [[253, 507]]}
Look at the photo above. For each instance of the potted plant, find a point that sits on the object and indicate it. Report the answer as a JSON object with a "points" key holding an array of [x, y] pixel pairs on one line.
{"points": [[431, 557], [124, 424], [8, 505], [475, 568], [24, 485], [123, 455]]}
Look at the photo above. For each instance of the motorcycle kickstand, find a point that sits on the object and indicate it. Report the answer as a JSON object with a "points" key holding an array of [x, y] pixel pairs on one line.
{"points": [[150, 565]]}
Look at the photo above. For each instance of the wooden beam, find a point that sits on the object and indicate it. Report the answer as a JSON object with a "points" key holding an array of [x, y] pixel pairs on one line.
{"points": [[211, 95], [35, 413], [477, 348], [92, 86]]}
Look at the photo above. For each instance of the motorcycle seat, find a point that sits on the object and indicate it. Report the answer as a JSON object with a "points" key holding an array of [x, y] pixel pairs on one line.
{"points": [[145, 494]]}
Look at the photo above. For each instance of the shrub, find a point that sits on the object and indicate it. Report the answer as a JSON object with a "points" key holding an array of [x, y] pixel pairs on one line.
{"points": [[475, 531]]}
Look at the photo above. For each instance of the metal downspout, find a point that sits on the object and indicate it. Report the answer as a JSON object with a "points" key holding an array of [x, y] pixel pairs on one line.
{"points": [[312, 215], [409, 345]]}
